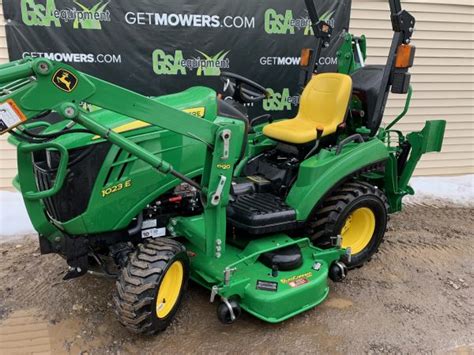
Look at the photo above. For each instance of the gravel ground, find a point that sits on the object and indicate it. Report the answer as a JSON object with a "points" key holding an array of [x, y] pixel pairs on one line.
{"points": [[415, 296]]}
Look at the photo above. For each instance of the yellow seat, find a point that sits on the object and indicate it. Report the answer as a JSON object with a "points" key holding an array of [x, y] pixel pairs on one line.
{"points": [[323, 104]]}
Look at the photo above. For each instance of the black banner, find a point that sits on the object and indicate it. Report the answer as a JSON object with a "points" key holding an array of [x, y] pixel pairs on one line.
{"points": [[159, 47]]}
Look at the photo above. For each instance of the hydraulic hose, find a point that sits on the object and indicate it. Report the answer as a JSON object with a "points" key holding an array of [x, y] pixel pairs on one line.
{"points": [[56, 134]]}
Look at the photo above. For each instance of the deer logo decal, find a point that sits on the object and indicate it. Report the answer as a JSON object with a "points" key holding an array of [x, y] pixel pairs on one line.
{"points": [[65, 80]]}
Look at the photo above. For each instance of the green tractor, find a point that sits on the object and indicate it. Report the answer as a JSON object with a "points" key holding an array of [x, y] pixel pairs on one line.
{"points": [[157, 191]]}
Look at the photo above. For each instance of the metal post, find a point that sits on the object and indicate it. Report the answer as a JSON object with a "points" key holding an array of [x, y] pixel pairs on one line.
{"points": [[395, 6]]}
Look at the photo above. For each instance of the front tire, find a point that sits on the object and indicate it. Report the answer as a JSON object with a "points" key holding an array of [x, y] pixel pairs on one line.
{"points": [[151, 286], [358, 211]]}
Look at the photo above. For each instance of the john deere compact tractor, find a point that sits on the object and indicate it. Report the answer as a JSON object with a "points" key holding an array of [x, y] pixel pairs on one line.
{"points": [[157, 191]]}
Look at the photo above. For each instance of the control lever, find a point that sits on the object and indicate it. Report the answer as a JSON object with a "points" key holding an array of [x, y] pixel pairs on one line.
{"points": [[319, 135]]}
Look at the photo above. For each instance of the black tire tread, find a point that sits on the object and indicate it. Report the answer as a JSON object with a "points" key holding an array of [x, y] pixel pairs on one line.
{"points": [[322, 224], [136, 285]]}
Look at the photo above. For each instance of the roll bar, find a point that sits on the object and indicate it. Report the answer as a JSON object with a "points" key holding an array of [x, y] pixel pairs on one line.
{"points": [[403, 24], [395, 79], [322, 31]]}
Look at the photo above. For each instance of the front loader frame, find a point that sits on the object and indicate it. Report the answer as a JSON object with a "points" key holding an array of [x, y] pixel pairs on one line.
{"points": [[36, 95]]}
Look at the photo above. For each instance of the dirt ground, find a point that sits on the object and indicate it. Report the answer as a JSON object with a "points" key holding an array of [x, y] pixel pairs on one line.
{"points": [[415, 296]]}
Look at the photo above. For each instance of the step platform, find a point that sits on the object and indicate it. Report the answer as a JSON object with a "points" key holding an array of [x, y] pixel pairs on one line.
{"points": [[261, 213]]}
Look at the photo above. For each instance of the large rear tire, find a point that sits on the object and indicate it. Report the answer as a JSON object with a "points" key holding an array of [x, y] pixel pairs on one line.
{"points": [[358, 211], [151, 286]]}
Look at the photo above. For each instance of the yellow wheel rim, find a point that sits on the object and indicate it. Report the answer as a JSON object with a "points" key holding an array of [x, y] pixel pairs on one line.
{"points": [[169, 290], [358, 230]]}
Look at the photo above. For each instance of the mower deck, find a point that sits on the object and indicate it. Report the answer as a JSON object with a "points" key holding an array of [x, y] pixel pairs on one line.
{"points": [[270, 295]]}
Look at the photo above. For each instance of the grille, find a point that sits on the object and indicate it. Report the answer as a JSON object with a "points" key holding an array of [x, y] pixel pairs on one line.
{"points": [[73, 198]]}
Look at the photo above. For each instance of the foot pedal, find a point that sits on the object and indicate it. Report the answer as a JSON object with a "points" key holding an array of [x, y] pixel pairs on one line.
{"points": [[261, 213], [74, 272]]}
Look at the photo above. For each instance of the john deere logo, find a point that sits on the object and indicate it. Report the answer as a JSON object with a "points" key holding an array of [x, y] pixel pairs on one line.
{"points": [[280, 101], [286, 23], [177, 64], [65, 80], [45, 13]]}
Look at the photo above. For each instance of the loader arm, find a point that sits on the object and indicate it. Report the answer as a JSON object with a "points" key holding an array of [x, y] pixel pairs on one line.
{"points": [[45, 90], [33, 87]]}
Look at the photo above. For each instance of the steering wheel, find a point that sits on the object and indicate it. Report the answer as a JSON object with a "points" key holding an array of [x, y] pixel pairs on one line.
{"points": [[242, 89]]}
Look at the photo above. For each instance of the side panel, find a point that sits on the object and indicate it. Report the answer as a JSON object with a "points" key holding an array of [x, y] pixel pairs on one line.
{"points": [[125, 185], [319, 173]]}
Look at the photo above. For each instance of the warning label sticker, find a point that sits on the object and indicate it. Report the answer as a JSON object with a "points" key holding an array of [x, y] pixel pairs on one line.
{"points": [[295, 279], [10, 116], [298, 283], [153, 233]]}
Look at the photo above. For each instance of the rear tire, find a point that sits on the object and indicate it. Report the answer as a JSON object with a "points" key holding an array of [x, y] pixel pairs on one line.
{"points": [[358, 211], [150, 287]]}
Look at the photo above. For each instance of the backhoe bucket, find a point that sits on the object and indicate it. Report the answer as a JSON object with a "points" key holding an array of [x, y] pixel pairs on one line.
{"points": [[430, 138]]}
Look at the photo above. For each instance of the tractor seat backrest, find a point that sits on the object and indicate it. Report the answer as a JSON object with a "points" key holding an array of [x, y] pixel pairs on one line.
{"points": [[366, 83], [323, 105], [325, 100]]}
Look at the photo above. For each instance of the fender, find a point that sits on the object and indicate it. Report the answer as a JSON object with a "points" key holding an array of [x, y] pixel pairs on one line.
{"points": [[318, 174]]}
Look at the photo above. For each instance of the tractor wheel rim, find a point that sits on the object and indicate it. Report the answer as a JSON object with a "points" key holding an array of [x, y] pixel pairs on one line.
{"points": [[358, 230], [170, 289]]}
